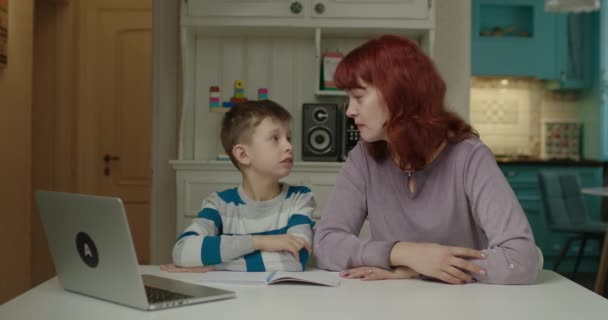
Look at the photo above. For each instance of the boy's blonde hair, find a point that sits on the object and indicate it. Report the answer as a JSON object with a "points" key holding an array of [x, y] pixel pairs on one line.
{"points": [[240, 122]]}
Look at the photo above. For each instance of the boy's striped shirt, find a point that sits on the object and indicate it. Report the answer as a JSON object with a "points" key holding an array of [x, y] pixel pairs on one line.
{"points": [[221, 234]]}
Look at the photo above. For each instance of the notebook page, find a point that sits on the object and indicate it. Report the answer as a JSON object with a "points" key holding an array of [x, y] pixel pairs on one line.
{"points": [[319, 277], [235, 277]]}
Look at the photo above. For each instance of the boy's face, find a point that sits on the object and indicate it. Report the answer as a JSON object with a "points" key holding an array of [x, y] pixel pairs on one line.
{"points": [[270, 152]]}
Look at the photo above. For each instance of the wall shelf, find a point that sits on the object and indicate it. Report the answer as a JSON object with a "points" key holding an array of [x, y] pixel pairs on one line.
{"points": [[330, 93]]}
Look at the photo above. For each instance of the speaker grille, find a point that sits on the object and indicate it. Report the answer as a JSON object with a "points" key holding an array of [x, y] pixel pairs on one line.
{"points": [[320, 128], [319, 139]]}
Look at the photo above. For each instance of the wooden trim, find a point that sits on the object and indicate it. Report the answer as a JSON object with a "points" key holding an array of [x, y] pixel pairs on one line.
{"points": [[85, 141], [16, 161], [52, 117], [43, 131]]}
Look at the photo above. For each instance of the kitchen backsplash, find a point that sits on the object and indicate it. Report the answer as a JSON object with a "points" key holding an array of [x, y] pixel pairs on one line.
{"points": [[509, 113]]}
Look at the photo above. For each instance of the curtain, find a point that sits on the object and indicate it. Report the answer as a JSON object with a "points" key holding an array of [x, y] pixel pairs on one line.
{"points": [[571, 5]]}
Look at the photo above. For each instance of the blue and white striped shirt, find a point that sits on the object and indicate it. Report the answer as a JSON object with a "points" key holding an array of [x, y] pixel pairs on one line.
{"points": [[221, 234]]}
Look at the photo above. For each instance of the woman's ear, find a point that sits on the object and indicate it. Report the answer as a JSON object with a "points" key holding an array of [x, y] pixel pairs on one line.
{"points": [[241, 154]]}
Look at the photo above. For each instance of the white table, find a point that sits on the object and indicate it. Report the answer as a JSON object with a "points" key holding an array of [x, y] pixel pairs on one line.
{"points": [[603, 267], [601, 191], [554, 297]]}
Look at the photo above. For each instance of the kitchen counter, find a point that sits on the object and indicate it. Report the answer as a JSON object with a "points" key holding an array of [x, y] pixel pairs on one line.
{"points": [[548, 162]]}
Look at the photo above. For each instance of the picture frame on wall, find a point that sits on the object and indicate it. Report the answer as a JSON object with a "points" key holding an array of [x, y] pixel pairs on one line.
{"points": [[3, 33]]}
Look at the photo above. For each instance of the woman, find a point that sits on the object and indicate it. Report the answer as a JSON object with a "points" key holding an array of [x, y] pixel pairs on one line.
{"points": [[436, 201]]}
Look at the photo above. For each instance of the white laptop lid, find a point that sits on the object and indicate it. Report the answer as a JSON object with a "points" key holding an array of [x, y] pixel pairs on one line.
{"points": [[93, 254], [91, 246]]}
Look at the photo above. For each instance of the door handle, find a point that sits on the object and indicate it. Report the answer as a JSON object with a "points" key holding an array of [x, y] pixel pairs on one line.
{"points": [[107, 158]]}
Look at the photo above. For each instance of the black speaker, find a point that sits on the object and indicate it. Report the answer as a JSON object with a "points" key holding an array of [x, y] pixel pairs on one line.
{"points": [[320, 132], [350, 135]]}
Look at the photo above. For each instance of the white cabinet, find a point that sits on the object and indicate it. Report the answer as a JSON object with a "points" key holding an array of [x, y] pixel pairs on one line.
{"points": [[276, 45], [197, 179], [245, 8], [367, 9], [378, 9], [414, 14]]}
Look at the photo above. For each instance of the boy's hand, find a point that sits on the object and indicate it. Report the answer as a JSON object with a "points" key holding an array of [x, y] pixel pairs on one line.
{"points": [[284, 242], [173, 268]]}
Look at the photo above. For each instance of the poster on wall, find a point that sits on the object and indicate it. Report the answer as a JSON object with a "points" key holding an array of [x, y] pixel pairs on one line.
{"points": [[3, 32]]}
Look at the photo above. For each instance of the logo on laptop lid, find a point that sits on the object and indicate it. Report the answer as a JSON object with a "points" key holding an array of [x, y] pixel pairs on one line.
{"points": [[87, 249]]}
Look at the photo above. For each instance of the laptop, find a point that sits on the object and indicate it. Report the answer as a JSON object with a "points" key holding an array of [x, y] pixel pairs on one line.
{"points": [[94, 255]]}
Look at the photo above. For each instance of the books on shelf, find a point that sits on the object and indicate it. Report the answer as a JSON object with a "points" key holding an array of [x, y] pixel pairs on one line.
{"points": [[316, 277]]}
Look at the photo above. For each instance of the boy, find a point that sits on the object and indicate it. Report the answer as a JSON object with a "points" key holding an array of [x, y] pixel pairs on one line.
{"points": [[263, 224]]}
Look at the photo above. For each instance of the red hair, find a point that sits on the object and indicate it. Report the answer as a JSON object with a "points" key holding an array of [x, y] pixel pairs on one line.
{"points": [[414, 94]]}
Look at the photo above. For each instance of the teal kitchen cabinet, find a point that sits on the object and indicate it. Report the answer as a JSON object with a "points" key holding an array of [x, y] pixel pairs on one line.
{"points": [[595, 113], [604, 123], [523, 179], [576, 37], [594, 101], [518, 38], [603, 82], [513, 38]]}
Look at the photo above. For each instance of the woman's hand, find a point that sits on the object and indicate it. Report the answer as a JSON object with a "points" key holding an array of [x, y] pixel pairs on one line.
{"points": [[173, 268], [374, 273], [449, 264]]}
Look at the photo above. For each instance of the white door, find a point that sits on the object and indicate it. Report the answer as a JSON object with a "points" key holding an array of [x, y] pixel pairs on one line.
{"points": [[115, 108]]}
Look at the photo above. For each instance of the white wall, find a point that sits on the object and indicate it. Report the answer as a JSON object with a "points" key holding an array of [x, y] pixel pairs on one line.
{"points": [[453, 51], [164, 128], [509, 113]]}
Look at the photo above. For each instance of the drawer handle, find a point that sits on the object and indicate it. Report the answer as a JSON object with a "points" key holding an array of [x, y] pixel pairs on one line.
{"points": [[296, 7], [319, 8]]}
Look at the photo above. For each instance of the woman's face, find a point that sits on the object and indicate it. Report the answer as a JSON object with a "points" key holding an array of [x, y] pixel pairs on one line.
{"points": [[367, 107]]}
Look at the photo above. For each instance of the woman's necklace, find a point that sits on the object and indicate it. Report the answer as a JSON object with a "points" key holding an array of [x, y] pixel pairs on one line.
{"points": [[411, 184]]}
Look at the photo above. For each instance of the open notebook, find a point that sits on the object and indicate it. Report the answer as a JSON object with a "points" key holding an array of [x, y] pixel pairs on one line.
{"points": [[318, 277]]}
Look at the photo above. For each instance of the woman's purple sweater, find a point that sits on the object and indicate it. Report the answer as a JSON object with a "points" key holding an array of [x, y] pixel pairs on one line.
{"points": [[460, 199]]}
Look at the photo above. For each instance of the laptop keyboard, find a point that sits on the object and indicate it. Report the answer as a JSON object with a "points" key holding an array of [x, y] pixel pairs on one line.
{"points": [[160, 295]]}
